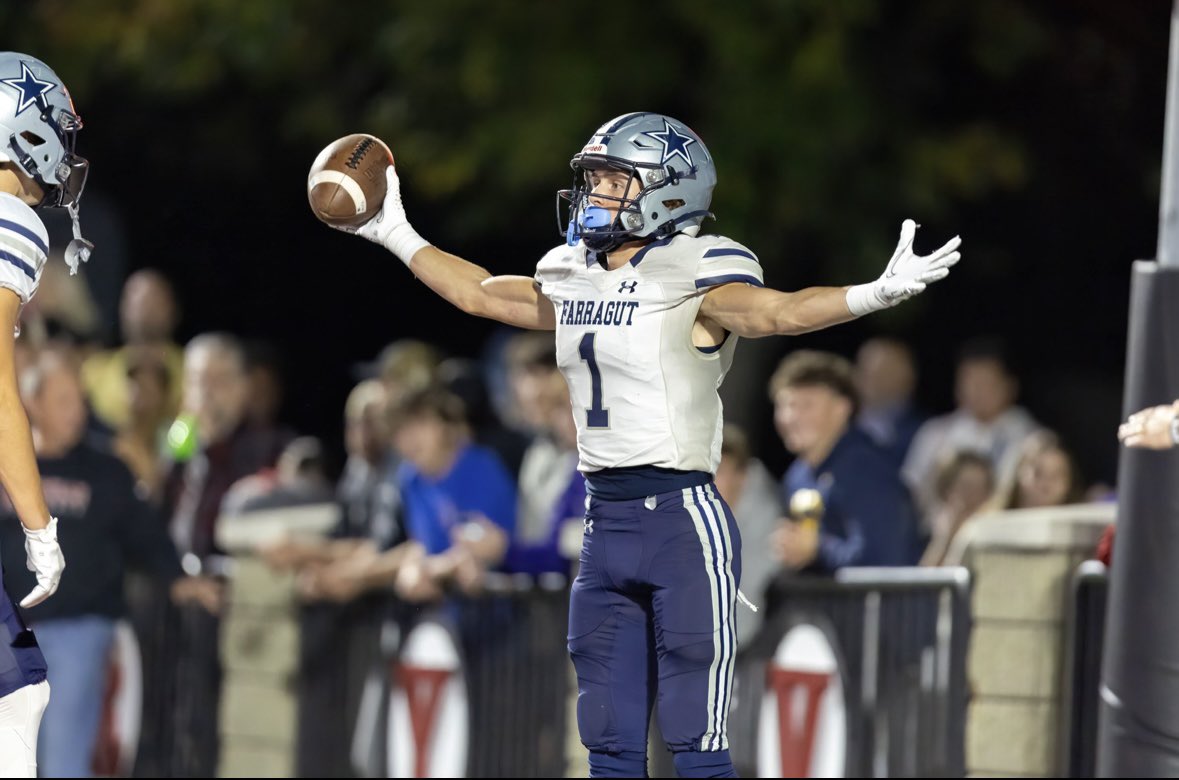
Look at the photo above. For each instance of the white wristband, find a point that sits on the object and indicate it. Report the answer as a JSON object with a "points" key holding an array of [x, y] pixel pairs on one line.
{"points": [[862, 299], [404, 242]]}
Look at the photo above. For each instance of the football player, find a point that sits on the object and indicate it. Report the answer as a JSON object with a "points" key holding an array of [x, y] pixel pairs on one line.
{"points": [[38, 168], [647, 313]]}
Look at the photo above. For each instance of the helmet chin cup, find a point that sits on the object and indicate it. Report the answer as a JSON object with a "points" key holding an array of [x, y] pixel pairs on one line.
{"points": [[595, 218], [590, 218]]}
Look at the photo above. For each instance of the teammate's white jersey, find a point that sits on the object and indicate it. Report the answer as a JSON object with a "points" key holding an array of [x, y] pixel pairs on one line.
{"points": [[24, 247], [642, 394]]}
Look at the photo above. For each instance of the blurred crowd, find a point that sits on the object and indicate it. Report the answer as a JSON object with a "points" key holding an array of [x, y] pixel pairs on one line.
{"points": [[455, 470]]}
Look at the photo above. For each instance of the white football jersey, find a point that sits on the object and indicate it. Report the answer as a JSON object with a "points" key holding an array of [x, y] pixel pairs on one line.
{"points": [[642, 394], [24, 247]]}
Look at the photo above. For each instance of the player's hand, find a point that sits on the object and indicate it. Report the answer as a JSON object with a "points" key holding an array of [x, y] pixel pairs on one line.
{"points": [[795, 544], [906, 274], [415, 582], [45, 560], [206, 592], [390, 227], [1149, 428], [481, 538]]}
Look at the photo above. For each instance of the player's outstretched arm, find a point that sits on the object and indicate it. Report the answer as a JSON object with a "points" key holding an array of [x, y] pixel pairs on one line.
{"points": [[753, 311], [18, 466], [514, 300]]}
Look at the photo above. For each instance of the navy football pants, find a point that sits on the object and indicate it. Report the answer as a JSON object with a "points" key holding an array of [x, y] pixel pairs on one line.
{"points": [[651, 622]]}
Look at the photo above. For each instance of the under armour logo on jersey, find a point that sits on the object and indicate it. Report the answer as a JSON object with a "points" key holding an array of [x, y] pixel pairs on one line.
{"points": [[674, 144], [589, 525], [623, 287], [31, 88]]}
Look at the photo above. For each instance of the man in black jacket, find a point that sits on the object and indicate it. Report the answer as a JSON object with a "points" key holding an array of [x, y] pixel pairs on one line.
{"points": [[107, 525]]}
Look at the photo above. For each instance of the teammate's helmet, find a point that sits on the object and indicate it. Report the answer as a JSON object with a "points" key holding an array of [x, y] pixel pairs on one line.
{"points": [[38, 127], [675, 175], [38, 130]]}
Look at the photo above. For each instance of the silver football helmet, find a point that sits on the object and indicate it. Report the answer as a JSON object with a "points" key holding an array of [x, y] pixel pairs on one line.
{"points": [[38, 131], [674, 171]]}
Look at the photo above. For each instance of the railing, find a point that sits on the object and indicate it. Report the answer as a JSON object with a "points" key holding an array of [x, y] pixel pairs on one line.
{"points": [[861, 675], [1082, 670]]}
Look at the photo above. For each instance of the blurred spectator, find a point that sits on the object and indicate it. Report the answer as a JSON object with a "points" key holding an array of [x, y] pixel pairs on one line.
{"points": [[1104, 550], [403, 366], [986, 420], [339, 629], [1046, 474], [493, 357], [559, 543], [265, 375], [370, 507], [225, 450], [212, 449], [750, 491], [540, 397], [886, 376], [530, 357], [368, 491], [103, 528], [964, 485], [450, 489], [867, 517], [63, 310], [463, 378], [148, 316], [299, 478], [149, 412]]}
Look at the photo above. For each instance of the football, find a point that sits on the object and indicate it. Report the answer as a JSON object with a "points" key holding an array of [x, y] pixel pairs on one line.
{"points": [[346, 184]]}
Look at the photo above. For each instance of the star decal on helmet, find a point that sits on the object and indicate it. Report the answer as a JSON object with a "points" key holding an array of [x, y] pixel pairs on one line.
{"points": [[29, 86], [674, 143]]}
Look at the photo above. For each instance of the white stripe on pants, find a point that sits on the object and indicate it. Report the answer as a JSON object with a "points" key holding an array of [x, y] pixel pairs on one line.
{"points": [[20, 717]]}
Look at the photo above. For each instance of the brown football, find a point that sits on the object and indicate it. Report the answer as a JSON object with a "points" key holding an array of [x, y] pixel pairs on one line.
{"points": [[346, 184]]}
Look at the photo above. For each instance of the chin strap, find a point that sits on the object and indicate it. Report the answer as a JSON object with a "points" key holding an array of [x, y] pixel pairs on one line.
{"points": [[79, 249]]}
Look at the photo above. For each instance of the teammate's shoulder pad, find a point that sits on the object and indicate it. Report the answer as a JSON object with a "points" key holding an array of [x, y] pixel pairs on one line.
{"points": [[19, 217], [713, 246]]}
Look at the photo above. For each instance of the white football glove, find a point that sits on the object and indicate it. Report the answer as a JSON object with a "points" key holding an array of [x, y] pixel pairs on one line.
{"points": [[906, 275], [45, 560], [390, 227]]}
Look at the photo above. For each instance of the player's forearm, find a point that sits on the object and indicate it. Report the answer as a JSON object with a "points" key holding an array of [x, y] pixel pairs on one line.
{"points": [[18, 463], [455, 279], [382, 570], [791, 313], [754, 312], [812, 309]]}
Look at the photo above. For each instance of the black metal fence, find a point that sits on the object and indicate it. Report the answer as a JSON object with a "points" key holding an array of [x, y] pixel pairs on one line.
{"points": [[900, 636], [1082, 670]]}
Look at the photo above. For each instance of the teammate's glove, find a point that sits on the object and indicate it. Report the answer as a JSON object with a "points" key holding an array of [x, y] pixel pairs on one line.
{"points": [[906, 275], [45, 560], [390, 228]]}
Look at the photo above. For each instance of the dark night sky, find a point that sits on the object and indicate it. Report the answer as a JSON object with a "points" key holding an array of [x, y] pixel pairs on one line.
{"points": [[1046, 268]]}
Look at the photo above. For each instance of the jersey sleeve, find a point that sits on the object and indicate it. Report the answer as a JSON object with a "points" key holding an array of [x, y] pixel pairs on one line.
{"points": [[24, 247], [723, 261], [553, 268]]}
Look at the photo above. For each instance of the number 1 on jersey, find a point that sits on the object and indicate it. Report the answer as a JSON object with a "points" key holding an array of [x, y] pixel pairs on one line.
{"points": [[595, 416]]}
